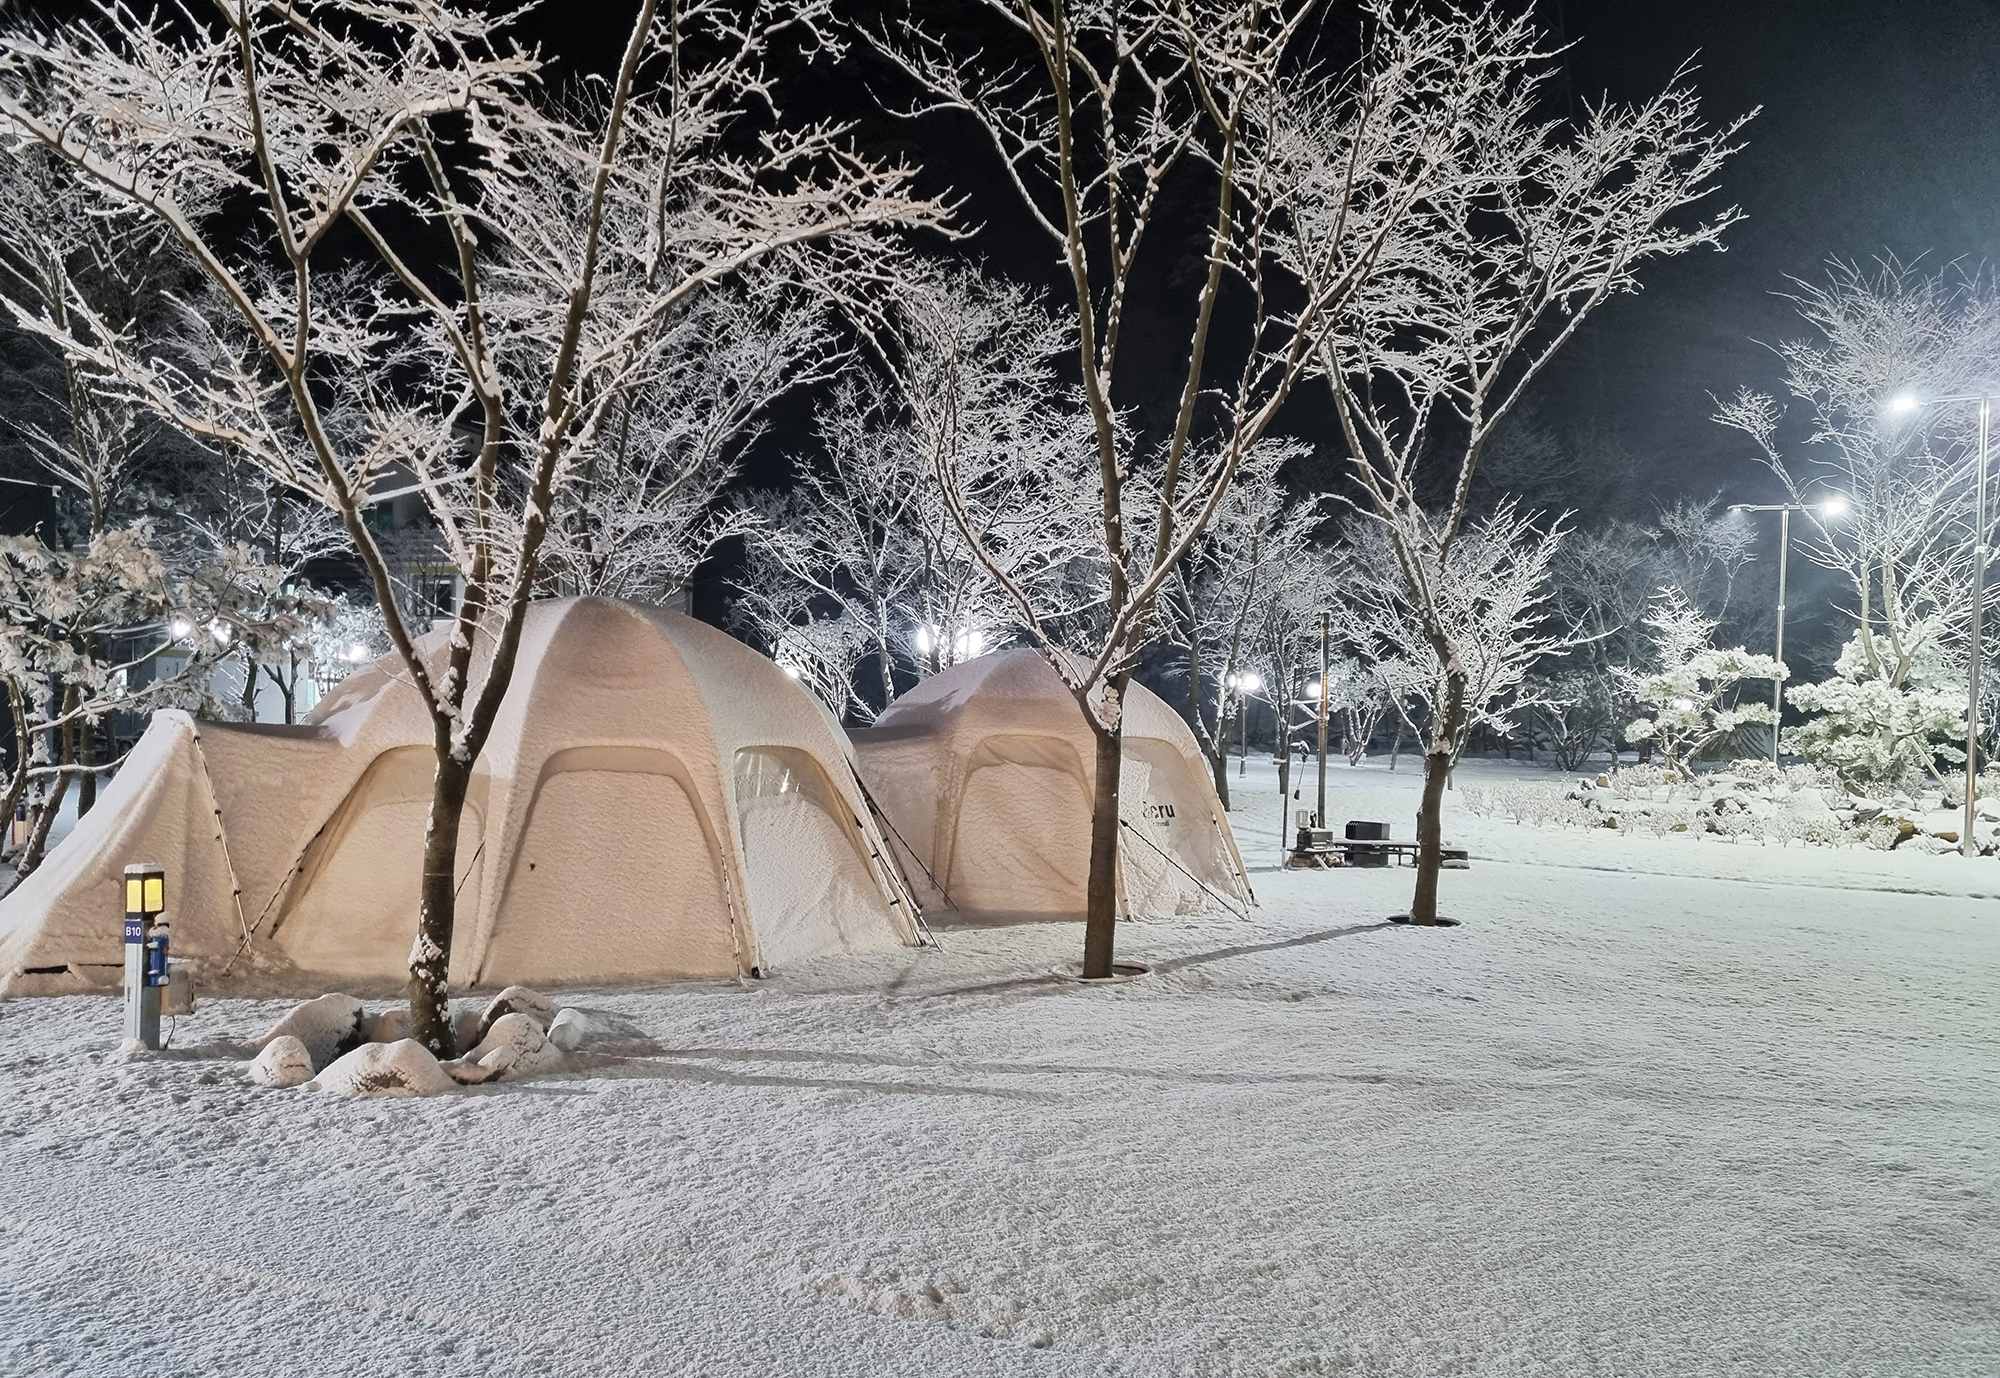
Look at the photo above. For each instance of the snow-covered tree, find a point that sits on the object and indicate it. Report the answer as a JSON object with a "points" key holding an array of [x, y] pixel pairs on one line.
{"points": [[77, 628], [1903, 538], [1873, 730], [414, 227], [1093, 112], [645, 504], [1692, 693], [1260, 537], [861, 560], [1491, 603], [1357, 692], [1528, 225]]}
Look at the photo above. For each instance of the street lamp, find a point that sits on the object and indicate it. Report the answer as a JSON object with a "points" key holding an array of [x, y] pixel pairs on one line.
{"points": [[1908, 404], [1829, 509], [1244, 685]]}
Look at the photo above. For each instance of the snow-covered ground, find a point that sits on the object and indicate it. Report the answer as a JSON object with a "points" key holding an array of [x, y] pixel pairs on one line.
{"points": [[1659, 1107]]}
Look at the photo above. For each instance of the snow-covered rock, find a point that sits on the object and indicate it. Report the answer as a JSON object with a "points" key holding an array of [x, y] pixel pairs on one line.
{"points": [[517, 1000], [403, 1068], [283, 1062], [324, 1026], [571, 1028], [515, 1047], [390, 1026]]}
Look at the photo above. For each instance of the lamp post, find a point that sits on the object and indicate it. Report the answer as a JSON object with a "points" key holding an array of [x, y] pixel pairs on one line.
{"points": [[1830, 507], [1244, 685], [1905, 404]]}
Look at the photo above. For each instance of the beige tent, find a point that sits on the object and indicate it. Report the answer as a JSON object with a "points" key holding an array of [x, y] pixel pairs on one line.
{"points": [[656, 800], [985, 773]]}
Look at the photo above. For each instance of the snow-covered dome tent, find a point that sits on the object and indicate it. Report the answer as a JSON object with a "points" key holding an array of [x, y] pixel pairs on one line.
{"points": [[655, 800], [986, 770]]}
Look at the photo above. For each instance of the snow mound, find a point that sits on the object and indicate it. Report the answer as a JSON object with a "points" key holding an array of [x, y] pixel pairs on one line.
{"points": [[324, 1025], [516, 1000], [284, 1062], [513, 1048], [390, 1026], [571, 1028], [403, 1068]]}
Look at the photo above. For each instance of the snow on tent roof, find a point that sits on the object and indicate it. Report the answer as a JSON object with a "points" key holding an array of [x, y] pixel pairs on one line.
{"points": [[656, 800], [985, 773]]}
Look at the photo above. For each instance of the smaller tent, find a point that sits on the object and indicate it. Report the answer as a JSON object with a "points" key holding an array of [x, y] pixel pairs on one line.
{"points": [[655, 800], [986, 771]]}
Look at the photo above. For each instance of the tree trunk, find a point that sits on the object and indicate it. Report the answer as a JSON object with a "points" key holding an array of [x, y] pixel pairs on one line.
{"points": [[1100, 921], [1430, 814], [250, 687], [1218, 764], [86, 755], [430, 955], [1396, 748], [36, 846]]}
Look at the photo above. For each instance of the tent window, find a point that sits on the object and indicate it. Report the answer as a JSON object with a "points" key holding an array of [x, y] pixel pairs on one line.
{"points": [[771, 771]]}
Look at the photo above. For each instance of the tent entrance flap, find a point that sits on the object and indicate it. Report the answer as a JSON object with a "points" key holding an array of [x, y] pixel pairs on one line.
{"points": [[617, 835]]}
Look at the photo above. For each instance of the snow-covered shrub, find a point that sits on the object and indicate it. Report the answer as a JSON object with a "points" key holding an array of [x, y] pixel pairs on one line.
{"points": [[1691, 696], [1880, 833], [1478, 800], [1878, 720]]}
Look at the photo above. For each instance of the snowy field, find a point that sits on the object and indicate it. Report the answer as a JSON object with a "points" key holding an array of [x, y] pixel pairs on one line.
{"points": [[1659, 1107]]}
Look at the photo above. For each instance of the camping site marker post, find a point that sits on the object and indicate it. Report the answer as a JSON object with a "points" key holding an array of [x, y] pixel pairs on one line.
{"points": [[145, 950]]}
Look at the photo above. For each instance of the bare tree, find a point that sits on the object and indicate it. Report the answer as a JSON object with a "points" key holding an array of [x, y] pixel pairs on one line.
{"points": [[524, 259], [1492, 603], [645, 504], [864, 543], [1528, 226], [1903, 539], [1258, 537], [1092, 111]]}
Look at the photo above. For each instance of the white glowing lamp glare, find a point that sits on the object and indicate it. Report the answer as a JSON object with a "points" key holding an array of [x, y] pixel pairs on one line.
{"points": [[180, 629], [357, 652], [1834, 507], [1902, 404], [791, 671]]}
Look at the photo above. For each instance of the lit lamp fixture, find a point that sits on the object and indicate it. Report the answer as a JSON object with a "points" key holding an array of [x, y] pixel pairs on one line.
{"points": [[965, 643], [145, 950], [791, 671], [180, 629], [1909, 404], [1830, 508]]}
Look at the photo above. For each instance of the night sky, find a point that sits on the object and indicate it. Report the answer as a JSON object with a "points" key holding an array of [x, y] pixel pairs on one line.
{"points": [[1878, 133]]}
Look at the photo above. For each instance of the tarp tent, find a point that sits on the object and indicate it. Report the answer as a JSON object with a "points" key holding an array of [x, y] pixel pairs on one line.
{"points": [[986, 771], [655, 800]]}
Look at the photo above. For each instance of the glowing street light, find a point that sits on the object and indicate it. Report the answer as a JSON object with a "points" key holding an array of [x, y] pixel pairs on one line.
{"points": [[180, 629]]}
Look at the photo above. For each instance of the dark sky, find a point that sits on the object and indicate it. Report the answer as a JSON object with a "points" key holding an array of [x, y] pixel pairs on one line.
{"points": [[1880, 130]]}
